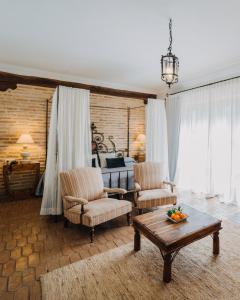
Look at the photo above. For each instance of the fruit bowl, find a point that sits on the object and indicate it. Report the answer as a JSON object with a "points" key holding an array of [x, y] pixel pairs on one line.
{"points": [[174, 221], [176, 215]]}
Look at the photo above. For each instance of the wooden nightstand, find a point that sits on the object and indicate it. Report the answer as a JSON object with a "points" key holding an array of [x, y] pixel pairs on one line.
{"points": [[140, 157], [9, 171]]}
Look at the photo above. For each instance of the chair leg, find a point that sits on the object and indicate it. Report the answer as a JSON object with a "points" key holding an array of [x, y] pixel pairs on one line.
{"points": [[92, 234], [140, 211], [129, 218], [66, 223]]}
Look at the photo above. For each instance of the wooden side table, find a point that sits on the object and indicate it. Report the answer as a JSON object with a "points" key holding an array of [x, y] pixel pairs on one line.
{"points": [[171, 238], [140, 157], [8, 170]]}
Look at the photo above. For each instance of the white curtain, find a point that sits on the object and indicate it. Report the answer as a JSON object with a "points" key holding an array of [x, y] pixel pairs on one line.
{"points": [[69, 142], [209, 140], [156, 134], [173, 127]]}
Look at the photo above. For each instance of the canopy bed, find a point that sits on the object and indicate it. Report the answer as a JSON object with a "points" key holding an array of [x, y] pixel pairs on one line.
{"points": [[117, 170], [113, 177]]}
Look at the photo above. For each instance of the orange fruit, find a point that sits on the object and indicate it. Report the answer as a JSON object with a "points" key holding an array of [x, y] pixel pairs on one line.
{"points": [[178, 213], [182, 216], [173, 215], [177, 218]]}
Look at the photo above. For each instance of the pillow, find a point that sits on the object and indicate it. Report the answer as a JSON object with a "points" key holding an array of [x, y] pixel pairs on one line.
{"points": [[115, 162], [103, 156], [95, 163], [129, 160]]}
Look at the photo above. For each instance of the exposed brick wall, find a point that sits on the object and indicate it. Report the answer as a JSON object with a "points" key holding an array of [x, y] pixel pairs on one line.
{"points": [[110, 117], [24, 111]]}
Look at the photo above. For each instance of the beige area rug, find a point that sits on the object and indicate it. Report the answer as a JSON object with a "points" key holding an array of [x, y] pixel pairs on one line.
{"points": [[122, 274]]}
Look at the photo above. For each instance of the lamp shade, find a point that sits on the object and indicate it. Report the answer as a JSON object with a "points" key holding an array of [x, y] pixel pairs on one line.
{"points": [[141, 138], [25, 139]]}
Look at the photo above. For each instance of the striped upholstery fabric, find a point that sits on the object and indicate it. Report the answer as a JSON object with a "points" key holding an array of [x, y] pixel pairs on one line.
{"points": [[149, 175], [85, 182], [152, 189], [98, 211], [155, 197]]}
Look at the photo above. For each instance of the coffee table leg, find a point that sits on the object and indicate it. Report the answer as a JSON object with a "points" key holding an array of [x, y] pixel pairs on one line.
{"points": [[216, 243], [167, 268], [137, 240]]}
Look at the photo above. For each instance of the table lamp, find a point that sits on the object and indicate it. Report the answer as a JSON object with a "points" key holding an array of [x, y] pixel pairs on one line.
{"points": [[141, 138], [25, 139], [139, 145]]}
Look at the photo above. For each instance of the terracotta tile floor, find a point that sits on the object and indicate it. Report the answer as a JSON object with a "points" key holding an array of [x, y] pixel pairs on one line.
{"points": [[31, 245]]}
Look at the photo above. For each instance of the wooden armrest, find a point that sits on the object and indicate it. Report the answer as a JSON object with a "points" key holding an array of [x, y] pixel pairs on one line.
{"points": [[169, 183], [75, 199], [115, 190], [137, 187], [172, 184]]}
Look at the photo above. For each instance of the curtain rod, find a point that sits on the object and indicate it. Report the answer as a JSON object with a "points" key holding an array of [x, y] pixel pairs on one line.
{"points": [[208, 84], [108, 107], [137, 107]]}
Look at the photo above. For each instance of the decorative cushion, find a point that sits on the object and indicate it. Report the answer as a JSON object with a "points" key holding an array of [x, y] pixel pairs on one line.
{"points": [[129, 161], [94, 162], [84, 183], [103, 156], [155, 197], [115, 162], [95, 158], [98, 211], [149, 175]]}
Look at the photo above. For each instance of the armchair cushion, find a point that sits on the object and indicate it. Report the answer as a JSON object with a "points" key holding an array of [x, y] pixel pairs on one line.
{"points": [[155, 197], [149, 175], [98, 211], [84, 183]]}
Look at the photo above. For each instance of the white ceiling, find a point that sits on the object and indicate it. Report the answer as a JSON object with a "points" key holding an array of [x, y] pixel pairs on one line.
{"points": [[119, 43]]}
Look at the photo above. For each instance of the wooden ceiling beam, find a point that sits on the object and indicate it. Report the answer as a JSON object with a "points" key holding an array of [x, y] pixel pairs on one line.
{"points": [[10, 81]]}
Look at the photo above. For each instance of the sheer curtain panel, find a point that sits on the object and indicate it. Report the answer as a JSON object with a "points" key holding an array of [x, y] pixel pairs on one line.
{"points": [[156, 134], [69, 142], [208, 158], [173, 128]]}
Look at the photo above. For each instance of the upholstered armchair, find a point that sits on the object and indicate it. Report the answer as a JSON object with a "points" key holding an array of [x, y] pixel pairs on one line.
{"points": [[150, 189], [85, 200]]}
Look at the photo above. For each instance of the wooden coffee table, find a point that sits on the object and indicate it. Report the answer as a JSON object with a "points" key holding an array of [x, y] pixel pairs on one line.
{"points": [[170, 237]]}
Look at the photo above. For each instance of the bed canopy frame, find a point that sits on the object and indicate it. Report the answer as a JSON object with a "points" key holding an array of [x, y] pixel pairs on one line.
{"points": [[98, 139]]}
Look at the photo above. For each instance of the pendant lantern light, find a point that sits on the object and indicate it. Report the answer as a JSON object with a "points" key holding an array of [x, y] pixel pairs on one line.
{"points": [[170, 63]]}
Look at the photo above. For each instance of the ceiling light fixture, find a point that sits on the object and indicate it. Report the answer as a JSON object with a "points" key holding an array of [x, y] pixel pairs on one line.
{"points": [[170, 63]]}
